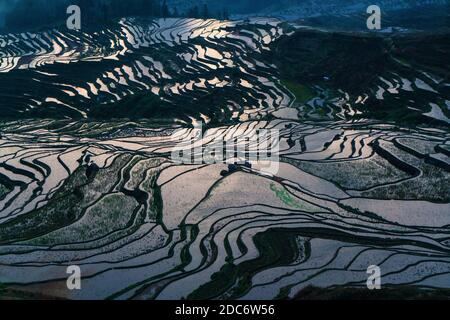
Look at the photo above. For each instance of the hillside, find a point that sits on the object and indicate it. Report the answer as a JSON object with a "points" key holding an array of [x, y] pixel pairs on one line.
{"points": [[391, 77]]}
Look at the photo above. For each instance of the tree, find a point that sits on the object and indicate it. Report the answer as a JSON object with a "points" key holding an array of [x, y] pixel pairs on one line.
{"points": [[105, 12], [25, 15], [150, 8], [157, 9], [165, 13], [205, 12], [219, 15], [225, 14]]}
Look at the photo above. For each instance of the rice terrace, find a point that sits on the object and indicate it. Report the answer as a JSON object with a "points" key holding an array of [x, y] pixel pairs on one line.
{"points": [[357, 174]]}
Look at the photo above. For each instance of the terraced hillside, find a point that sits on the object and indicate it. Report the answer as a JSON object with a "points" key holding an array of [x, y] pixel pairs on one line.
{"points": [[224, 71], [192, 68], [346, 195], [401, 77], [88, 177]]}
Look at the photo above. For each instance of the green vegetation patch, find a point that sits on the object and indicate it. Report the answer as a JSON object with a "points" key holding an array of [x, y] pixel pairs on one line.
{"points": [[112, 212], [291, 201], [302, 93], [357, 174], [431, 186], [3, 191], [66, 206]]}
